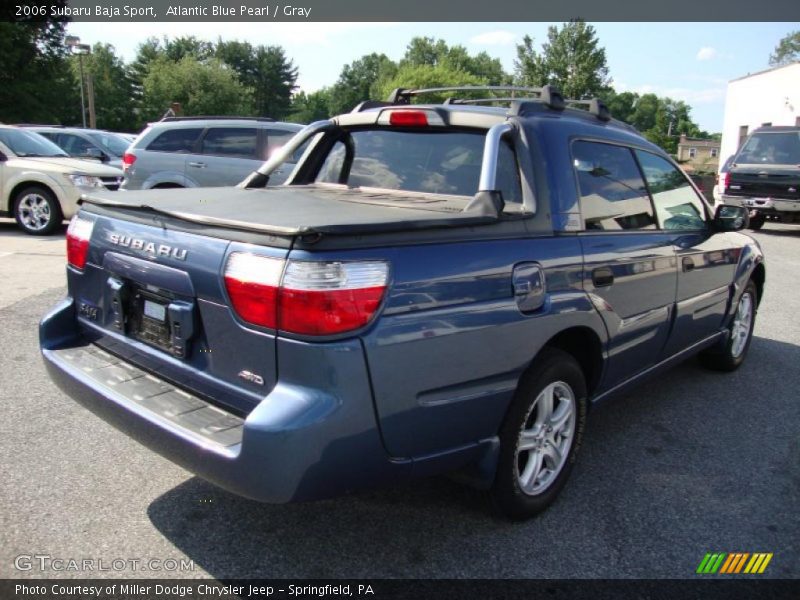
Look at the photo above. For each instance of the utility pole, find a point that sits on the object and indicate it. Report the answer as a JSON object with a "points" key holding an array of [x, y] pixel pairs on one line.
{"points": [[74, 43]]}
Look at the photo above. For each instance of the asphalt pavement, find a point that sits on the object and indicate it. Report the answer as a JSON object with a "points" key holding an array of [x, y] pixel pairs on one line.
{"points": [[690, 463]]}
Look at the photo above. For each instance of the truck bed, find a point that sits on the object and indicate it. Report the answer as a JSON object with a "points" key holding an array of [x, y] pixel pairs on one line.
{"points": [[303, 210]]}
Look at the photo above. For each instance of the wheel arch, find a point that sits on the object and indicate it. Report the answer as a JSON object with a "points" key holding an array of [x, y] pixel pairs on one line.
{"points": [[585, 346], [759, 277]]}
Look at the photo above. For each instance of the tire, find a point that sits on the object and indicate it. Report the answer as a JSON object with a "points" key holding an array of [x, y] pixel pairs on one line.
{"points": [[529, 480], [757, 221], [37, 211], [740, 333]]}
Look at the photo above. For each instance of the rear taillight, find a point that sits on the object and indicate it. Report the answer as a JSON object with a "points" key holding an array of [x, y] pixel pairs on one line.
{"points": [[127, 161], [726, 181], [305, 297], [252, 282], [78, 235]]}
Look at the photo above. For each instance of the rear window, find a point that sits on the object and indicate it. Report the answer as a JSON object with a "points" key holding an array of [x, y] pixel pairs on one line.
{"points": [[781, 148], [447, 162], [175, 140], [230, 141]]}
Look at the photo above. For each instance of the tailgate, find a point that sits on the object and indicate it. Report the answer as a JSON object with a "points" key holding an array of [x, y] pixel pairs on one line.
{"points": [[765, 183], [156, 297]]}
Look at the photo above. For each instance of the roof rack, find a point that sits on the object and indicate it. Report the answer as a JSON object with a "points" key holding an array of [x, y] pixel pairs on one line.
{"points": [[218, 118], [548, 95]]}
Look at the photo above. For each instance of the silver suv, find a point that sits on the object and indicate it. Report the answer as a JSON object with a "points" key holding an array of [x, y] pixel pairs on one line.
{"points": [[105, 146], [203, 151]]}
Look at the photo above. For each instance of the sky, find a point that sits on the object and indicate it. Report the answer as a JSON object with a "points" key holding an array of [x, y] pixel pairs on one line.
{"points": [[692, 62]]}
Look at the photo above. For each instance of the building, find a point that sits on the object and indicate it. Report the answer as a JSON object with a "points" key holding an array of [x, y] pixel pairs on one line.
{"points": [[770, 97], [698, 155]]}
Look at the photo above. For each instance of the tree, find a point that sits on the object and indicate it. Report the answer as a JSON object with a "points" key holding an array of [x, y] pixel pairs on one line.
{"points": [[426, 76], [209, 88], [35, 81], [571, 59], [307, 108], [359, 81], [266, 71], [427, 51], [113, 88], [787, 50]]}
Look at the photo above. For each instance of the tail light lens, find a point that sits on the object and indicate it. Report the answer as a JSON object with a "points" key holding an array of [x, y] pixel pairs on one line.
{"points": [[127, 161], [252, 282], [726, 180], [79, 233], [325, 298], [305, 297]]}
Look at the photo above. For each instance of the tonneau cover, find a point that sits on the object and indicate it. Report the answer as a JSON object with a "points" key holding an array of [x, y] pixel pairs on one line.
{"points": [[302, 210]]}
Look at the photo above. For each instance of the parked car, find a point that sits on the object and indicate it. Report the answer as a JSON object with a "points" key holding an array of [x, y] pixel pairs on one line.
{"points": [[435, 288], [105, 146], [722, 180], [203, 151], [765, 176], [40, 185]]}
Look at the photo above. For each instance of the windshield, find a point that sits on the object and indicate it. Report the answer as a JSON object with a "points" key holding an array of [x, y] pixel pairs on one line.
{"points": [[110, 142], [781, 148], [27, 143]]}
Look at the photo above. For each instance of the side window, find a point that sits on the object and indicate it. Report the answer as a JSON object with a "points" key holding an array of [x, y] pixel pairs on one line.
{"points": [[612, 193], [230, 141], [73, 144], [508, 174], [175, 140], [275, 139], [677, 204]]}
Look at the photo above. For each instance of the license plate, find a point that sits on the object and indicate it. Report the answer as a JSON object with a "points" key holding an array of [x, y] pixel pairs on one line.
{"points": [[154, 310]]}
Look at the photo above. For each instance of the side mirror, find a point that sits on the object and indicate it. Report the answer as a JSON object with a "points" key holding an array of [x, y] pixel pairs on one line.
{"points": [[731, 218]]}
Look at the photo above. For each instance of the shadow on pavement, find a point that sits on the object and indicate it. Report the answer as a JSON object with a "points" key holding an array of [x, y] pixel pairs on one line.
{"points": [[652, 464]]}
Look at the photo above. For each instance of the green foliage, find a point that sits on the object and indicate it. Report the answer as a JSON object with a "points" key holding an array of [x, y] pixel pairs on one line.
{"points": [[202, 88], [307, 108], [359, 81], [424, 76], [572, 59], [423, 51], [787, 50], [35, 81]]}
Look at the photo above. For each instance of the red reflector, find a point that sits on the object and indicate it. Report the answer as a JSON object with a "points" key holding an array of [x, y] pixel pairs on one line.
{"points": [[328, 312], [253, 302], [78, 235], [127, 160], [408, 118]]}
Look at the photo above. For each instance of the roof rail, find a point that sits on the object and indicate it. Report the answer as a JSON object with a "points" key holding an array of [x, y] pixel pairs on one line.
{"points": [[548, 94], [217, 118]]}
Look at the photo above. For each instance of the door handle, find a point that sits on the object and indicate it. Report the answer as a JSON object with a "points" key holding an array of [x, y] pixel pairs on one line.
{"points": [[198, 165], [688, 264], [602, 277]]}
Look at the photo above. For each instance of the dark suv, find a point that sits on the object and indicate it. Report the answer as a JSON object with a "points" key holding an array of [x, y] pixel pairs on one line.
{"points": [[765, 176], [435, 288]]}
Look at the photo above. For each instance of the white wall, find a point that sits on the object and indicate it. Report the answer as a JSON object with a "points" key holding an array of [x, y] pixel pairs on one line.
{"points": [[769, 97]]}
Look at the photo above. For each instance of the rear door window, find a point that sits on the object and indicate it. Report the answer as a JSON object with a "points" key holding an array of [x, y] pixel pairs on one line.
{"points": [[613, 194], [175, 140], [237, 142], [677, 204]]}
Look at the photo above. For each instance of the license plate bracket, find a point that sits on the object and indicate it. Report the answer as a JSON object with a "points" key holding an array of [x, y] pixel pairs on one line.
{"points": [[148, 320]]}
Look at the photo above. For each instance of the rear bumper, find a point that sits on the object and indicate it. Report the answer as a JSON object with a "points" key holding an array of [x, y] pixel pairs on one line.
{"points": [[302, 442], [766, 205]]}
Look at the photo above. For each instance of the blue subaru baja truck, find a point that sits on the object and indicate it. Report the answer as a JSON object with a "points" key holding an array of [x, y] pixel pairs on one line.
{"points": [[436, 288]]}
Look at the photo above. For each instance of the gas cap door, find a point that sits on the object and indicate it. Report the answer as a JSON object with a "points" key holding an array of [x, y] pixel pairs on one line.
{"points": [[528, 285]]}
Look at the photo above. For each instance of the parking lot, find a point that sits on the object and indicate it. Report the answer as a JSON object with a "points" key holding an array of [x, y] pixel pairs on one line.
{"points": [[692, 462]]}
